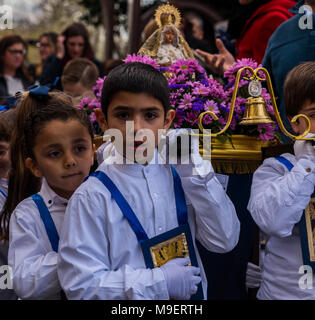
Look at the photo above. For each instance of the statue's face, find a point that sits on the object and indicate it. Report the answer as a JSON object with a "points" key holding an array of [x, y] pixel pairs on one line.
{"points": [[169, 36]]}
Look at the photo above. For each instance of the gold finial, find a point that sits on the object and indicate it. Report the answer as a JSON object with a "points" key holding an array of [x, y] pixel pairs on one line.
{"points": [[167, 14]]}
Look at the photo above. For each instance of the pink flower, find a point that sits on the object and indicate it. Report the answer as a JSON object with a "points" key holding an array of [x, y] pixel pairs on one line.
{"points": [[211, 105], [186, 101], [191, 118], [201, 90], [140, 58], [92, 117], [98, 87], [266, 132], [207, 119], [239, 64]]}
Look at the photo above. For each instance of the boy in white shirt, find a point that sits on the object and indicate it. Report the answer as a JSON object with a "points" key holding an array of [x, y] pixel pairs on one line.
{"points": [[281, 190], [100, 254]]}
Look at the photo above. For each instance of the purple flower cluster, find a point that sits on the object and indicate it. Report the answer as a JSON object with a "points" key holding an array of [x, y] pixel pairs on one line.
{"points": [[192, 92]]}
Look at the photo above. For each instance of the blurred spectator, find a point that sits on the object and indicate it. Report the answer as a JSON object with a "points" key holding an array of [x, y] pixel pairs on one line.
{"points": [[193, 29], [79, 77], [111, 64], [47, 45], [290, 46], [252, 41], [14, 76], [74, 43]]}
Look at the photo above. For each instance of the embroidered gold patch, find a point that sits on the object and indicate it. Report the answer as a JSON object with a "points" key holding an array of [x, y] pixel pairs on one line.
{"points": [[170, 249]]}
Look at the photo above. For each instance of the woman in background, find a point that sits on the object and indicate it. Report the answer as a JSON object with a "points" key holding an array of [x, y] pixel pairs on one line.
{"points": [[14, 76], [47, 45], [73, 43]]}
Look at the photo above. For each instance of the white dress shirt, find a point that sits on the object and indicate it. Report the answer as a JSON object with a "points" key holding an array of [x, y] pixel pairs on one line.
{"points": [[33, 261], [99, 254], [278, 198], [3, 188]]}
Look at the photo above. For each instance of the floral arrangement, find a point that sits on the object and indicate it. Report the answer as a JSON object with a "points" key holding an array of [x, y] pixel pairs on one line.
{"points": [[193, 92]]}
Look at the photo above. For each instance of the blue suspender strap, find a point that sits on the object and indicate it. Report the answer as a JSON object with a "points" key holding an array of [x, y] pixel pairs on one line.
{"points": [[127, 211], [181, 207], [285, 162], [47, 220], [2, 192], [123, 205]]}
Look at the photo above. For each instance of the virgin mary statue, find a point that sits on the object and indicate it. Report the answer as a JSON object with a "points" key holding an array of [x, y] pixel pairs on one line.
{"points": [[166, 44]]}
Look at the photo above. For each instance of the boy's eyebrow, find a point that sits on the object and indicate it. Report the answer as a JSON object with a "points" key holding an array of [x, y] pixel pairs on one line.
{"points": [[80, 140], [2, 146], [126, 108], [310, 109], [56, 145]]}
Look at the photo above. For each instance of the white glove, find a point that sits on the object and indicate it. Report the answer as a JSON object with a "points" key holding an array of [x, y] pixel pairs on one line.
{"points": [[253, 276], [305, 147], [182, 280], [190, 162]]}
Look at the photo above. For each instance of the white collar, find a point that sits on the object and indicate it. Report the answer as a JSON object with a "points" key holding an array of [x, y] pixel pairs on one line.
{"points": [[114, 158], [50, 197]]}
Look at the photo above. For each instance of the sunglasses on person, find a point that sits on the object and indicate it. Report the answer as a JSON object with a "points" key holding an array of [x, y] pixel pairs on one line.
{"points": [[22, 52]]}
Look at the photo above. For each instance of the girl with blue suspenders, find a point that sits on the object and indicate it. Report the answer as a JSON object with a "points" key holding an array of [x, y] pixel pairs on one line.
{"points": [[59, 146]]}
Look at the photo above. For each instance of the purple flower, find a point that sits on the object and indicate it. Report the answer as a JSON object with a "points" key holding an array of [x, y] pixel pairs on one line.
{"points": [[266, 132], [201, 90], [191, 118], [230, 74], [211, 105], [186, 101], [207, 119], [92, 117], [198, 107]]}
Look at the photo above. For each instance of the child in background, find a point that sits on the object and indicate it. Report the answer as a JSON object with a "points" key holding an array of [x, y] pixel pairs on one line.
{"points": [[281, 190], [79, 77], [5, 135], [101, 257], [6, 126], [59, 150]]}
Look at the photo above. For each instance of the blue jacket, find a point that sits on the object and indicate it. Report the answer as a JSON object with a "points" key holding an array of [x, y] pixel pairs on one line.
{"points": [[288, 47]]}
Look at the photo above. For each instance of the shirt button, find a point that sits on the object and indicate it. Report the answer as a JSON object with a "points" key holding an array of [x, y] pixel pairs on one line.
{"points": [[160, 228], [49, 201], [155, 195], [308, 170]]}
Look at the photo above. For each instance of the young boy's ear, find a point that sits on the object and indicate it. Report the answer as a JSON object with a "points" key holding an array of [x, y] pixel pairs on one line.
{"points": [[93, 154], [170, 115], [101, 120], [296, 126], [31, 164]]}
